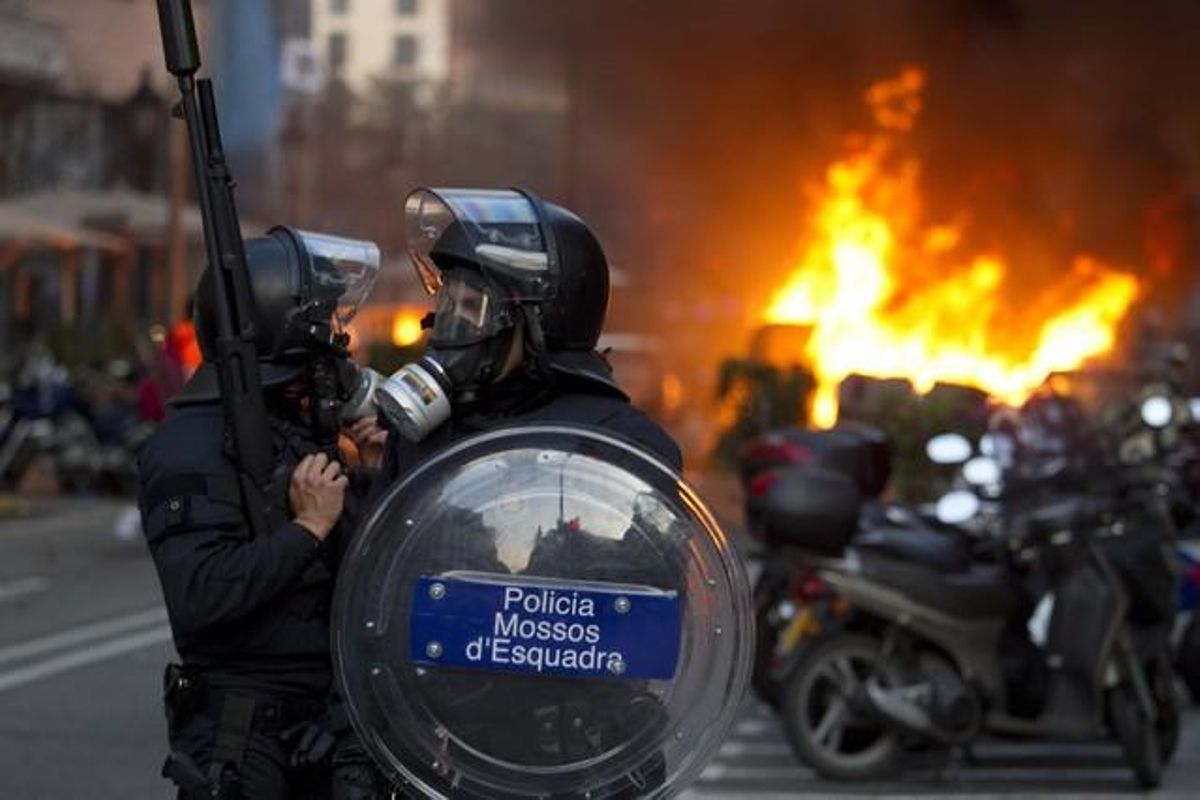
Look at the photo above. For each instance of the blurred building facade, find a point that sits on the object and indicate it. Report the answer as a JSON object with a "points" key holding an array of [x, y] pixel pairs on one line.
{"points": [[84, 211], [362, 41]]}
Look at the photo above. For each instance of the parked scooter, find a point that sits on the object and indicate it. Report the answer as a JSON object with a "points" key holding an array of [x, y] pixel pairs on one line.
{"points": [[1164, 437], [782, 473], [91, 445], [936, 655], [821, 483]]}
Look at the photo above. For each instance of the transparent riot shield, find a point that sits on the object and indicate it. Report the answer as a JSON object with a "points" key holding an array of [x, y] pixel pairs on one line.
{"points": [[542, 612]]}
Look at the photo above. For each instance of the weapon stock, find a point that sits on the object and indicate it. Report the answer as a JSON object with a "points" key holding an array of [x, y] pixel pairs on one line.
{"points": [[237, 356]]}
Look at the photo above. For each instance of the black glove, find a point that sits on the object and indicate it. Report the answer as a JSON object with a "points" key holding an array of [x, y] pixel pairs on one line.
{"points": [[312, 742]]}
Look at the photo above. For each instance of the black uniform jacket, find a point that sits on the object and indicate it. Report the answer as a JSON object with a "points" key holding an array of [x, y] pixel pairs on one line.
{"points": [[248, 613], [519, 399]]}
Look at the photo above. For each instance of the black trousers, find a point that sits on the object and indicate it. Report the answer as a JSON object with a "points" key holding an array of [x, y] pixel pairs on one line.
{"points": [[265, 773]]}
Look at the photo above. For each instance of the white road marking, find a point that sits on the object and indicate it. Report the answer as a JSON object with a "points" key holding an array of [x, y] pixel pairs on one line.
{"points": [[737, 748], [22, 586], [86, 517], [723, 772], [755, 727], [81, 634], [752, 793], [84, 656]]}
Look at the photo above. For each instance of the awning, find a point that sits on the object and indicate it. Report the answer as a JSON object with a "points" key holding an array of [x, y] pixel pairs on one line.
{"points": [[115, 212], [26, 230]]}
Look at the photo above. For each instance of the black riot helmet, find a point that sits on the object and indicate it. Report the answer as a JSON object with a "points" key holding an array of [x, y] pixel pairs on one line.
{"points": [[498, 262], [543, 266], [304, 288]]}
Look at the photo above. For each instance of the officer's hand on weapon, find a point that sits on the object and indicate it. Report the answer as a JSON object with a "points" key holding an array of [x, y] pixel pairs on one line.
{"points": [[370, 439], [317, 493]]}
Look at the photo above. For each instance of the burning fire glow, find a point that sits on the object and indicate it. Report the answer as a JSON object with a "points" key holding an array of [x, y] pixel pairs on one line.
{"points": [[406, 327], [888, 296]]}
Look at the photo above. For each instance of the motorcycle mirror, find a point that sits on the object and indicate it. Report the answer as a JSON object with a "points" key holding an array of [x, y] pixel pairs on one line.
{"points": [[948, 448], [1157, 411], [1194, 408], [957, 507], [982, 471]]}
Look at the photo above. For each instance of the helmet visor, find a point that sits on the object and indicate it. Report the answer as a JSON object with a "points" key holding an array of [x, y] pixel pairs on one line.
{"points": [[344, 271], [495, 231]]}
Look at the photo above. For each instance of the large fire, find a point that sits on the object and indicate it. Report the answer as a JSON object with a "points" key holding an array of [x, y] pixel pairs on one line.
{"points": [[888, 295]]}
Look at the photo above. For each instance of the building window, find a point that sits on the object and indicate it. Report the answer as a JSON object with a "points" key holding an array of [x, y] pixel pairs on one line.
{"points": [[406, 8], [404, 51], [337, 51], [339, 6]]}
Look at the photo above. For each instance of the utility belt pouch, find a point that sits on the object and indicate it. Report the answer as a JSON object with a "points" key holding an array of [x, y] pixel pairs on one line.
{"points": [[182, 693]]}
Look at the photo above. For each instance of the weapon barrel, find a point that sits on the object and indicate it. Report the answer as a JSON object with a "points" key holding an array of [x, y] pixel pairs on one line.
{"points": [[179, 37], [236, 359]]}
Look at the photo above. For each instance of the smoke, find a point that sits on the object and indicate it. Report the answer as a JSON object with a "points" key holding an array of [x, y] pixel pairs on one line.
{"points": [[686, 133], [696, 126]]}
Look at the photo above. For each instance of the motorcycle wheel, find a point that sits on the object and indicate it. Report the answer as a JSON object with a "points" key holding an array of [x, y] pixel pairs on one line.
{"points": [[823, 714], [1138, 738], [1187, 658]]}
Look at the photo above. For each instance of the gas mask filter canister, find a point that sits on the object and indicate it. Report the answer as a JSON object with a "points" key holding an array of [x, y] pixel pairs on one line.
{"points": [[414, 400]]}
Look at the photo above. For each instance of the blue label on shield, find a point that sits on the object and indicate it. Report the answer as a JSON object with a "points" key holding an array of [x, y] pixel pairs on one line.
{"points": [[541, 627]]}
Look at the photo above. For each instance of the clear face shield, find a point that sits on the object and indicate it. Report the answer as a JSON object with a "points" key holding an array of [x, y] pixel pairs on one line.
{"points": [[343, 273], [339, 274], [467, 311], [497, 232]]}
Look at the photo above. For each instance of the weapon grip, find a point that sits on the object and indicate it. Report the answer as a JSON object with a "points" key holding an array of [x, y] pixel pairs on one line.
{"points": [[179, 37]]}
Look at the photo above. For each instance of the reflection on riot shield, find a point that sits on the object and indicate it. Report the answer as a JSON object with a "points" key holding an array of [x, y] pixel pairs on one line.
{"points": [[542, 612]]}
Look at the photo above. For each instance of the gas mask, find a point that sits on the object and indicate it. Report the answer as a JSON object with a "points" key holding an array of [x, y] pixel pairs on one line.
{"points": [[471, 340], [483, 254]]}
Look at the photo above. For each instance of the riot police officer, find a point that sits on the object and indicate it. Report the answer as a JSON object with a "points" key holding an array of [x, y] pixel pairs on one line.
{"points": [[247, 709], [520, 290]]}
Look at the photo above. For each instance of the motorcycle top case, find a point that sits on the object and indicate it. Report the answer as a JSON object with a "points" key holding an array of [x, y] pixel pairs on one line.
{"points": [[808, 507], [859, 452], [542, 611]]}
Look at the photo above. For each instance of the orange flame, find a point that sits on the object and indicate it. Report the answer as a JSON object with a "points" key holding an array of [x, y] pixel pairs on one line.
{"points": [[888, 296], [406, 327]]}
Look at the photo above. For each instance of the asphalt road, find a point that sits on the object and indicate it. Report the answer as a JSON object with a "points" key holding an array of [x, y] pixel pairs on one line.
{"points": [[83, 639], [756, 763]]}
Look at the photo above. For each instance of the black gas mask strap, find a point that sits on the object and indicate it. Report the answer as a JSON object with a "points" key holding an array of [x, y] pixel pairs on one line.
{"points": [[535, 342]]}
